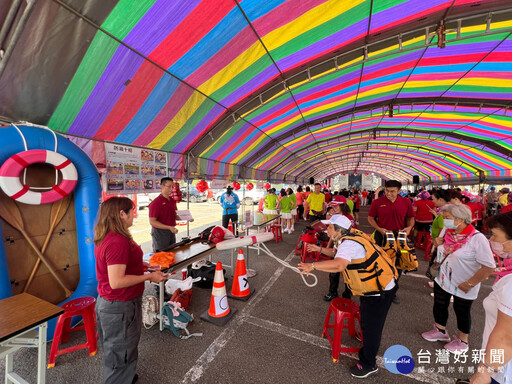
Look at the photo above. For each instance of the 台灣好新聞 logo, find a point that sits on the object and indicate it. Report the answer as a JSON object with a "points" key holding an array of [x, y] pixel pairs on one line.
{"points": [[398, 359]]}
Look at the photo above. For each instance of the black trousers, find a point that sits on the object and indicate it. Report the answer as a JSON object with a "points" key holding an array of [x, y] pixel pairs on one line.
{"points": [[462, 308], [374, 310], [423, 226], [234, 220], [313, 218], [334, 283], [300, 211]]}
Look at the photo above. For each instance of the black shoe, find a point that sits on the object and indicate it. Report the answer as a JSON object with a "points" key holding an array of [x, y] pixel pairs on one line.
{"points": [[135, 379], [462, 381], [346, 295], [396, 300], [360, 372], [330, 296]]}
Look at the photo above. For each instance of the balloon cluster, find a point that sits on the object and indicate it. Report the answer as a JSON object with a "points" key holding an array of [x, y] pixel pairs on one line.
{"points": [[202, 186], [236, 185], [249, 186], [266, 186]]}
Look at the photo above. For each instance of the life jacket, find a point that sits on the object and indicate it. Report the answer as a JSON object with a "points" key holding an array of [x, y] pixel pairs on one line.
{"points": [[399, 251], [370, 275], [407, 256], [176, 194], [391, 247]]}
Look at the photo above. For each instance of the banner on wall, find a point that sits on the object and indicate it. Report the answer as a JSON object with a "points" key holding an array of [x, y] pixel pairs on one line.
{"points": [[134, 170]]}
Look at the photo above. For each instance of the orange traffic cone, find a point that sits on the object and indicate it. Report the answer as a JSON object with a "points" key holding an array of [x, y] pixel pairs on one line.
{"points": [[230, 227], [219, 312], [240, 289]]}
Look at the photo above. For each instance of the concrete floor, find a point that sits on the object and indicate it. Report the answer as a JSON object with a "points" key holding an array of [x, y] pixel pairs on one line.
{"points": [[275, 336]]}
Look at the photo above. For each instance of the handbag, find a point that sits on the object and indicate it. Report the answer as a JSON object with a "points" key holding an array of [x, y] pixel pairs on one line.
{"points": [[434, 267]]}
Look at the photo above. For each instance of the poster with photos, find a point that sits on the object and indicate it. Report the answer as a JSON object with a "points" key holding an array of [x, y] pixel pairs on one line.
{"points": [[132, 170]]}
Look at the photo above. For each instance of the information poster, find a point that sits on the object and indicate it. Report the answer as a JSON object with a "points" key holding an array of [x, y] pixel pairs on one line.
{"points": [[133, 170]]}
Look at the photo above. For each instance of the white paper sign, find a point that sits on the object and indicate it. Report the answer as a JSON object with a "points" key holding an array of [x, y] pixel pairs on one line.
{"points": [[134, 170], [218, 184], [184, 215]]}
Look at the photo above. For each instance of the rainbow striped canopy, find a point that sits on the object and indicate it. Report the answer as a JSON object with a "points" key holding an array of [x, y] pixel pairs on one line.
{"points": [[271, 89]]}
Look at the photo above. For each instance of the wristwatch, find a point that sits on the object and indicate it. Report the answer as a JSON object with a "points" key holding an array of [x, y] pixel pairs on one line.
{"points": [[313, 266]]}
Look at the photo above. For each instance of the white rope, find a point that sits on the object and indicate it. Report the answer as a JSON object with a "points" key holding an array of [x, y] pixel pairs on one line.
{"points": [[25, 146], [25, 142], [264, 248], [22, 136]]}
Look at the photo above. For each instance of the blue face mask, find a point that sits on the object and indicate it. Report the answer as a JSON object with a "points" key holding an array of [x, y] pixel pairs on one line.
{"points": [[449, 223]]}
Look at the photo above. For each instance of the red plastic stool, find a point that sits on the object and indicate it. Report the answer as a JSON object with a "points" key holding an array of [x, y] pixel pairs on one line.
{"points": [[83, 306], [297, 249], [276, 230], [421, 239], [342, 309], [305, 255]]}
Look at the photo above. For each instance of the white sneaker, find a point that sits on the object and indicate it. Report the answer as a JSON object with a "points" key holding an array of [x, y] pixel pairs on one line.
{"points": [[287, 230], [292, 229]]}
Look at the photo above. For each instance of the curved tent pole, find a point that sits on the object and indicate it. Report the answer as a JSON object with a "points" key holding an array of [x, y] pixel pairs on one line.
{"points": [[17, 32]]}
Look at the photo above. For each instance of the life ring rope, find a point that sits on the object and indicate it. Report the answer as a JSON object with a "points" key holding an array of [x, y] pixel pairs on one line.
{"points": [[13, 167]]}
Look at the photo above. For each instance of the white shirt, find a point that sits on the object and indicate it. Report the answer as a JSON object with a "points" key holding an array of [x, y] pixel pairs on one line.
{"points": [[499, 299], [351, 250], [462, 264]]}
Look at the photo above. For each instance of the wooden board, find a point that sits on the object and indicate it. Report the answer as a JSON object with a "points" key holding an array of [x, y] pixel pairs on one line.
{"points": [[61, 253]]}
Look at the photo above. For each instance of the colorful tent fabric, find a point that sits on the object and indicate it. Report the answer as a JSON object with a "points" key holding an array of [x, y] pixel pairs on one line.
{"points": [[273, 89]]}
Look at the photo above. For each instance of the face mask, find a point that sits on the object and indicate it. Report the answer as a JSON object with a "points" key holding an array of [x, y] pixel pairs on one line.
{"points": [[449, 223], [497, 248]]}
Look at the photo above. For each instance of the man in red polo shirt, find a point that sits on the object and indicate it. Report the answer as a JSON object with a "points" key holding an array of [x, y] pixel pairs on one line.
{"points": [[391, 213], [162, 217]]}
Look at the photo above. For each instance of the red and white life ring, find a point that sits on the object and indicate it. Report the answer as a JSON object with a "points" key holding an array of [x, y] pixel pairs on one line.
{"points": [[11, 170]]}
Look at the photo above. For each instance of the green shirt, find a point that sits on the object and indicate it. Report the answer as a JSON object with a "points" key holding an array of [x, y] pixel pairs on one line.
{"points": [[294, 199], [350, 204], [437, 225], [271, 202], [286, 204]]}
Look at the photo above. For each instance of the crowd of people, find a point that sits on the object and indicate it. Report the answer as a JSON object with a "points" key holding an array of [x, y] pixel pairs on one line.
{"points": [[470, 233], [465, 257]]}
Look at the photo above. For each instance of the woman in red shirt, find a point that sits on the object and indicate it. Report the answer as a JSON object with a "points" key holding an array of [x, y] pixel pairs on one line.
{"points": [[300, 202], [120, 274], [422, 207]]}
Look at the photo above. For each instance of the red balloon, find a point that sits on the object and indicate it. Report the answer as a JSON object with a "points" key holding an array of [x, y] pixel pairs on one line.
{"points": [[236, 186], [202, 186], [249, 186], [266, 186]]}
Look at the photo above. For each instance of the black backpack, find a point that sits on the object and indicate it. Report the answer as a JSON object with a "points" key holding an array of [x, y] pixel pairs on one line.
{"points": [[206, 273]]}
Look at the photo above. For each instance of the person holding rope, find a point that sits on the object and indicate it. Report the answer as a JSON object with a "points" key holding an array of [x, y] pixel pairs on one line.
{"points": [[356, 254]]}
